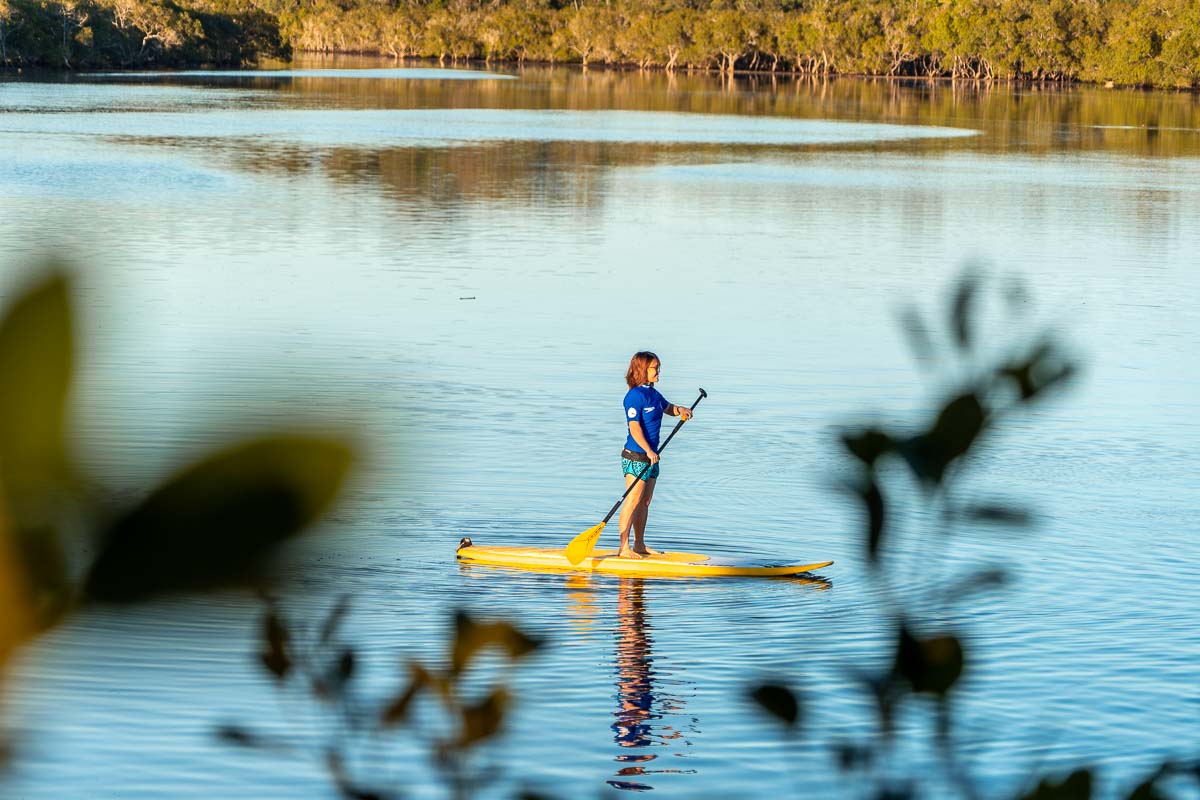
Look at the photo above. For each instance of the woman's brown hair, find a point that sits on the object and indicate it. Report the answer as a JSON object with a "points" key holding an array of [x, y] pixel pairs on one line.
{"points": [[639, 368]]}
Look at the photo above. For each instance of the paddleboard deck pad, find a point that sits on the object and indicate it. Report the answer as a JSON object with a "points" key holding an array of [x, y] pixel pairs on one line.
{"points": [[694, 565]]}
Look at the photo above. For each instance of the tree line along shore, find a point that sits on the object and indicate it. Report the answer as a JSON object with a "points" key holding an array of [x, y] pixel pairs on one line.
{"points": [[1122, 42]]}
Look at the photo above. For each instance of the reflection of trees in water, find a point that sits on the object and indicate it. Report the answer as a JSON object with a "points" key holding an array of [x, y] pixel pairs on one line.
{"points": [[642, 705], [517, 173], [576, 174], [1033, 119]]}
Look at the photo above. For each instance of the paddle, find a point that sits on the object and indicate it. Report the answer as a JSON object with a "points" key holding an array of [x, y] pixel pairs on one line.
{"points": [[582, 545]]}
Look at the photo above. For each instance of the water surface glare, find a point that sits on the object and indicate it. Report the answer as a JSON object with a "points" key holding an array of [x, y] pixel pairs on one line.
{"points": [[432, 127], [460, 269]]}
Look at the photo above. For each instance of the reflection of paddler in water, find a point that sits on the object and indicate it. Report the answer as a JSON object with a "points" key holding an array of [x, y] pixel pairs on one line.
{"points": [[635, 688], [642, 702], [636, 696]]}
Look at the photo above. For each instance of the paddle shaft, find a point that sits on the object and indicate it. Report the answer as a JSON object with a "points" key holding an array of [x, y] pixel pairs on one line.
{"points": [[645, 469]]}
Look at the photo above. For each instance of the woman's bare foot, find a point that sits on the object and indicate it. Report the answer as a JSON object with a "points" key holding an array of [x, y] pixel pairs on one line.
{"points": [[646, 551], [627, 553]]}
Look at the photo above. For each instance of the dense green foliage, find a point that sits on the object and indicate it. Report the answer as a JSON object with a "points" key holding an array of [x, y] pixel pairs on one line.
{"points": [[136, 33], [1133, 42], [1152, 42]]}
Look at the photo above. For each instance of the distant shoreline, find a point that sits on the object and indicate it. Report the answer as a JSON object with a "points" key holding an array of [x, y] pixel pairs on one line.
{"points": [[739, 72], [480, 64], [1108, 43]]}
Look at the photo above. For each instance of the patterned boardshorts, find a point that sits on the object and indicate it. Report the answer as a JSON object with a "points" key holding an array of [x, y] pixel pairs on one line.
{"points": [[635, 468]]}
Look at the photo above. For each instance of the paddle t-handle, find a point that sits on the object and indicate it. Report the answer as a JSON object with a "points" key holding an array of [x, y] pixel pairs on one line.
{"points": [[645, 469]]}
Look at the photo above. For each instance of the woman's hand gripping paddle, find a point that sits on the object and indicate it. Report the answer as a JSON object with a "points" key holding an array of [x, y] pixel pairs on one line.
{"points": [[582, 545]]}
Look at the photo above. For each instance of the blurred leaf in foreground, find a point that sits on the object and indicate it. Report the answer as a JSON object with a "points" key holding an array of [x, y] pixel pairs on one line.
{"points": [[873, 503], [953, 433], [216, 523], [779, 701], [471, 636], [930, 665], [36, 360], [962, 307], [868, 445], [15, 618], [999, 513], [276, 651], [917, 334], [1076, 786], [1043, 367], [482, 720]]}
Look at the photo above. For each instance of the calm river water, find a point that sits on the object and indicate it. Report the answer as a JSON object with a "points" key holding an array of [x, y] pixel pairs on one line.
{"points": [[457, 266]]}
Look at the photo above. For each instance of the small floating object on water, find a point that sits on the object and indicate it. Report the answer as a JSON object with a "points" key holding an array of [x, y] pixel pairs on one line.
{"points": [[694, 565], [472, 297]]}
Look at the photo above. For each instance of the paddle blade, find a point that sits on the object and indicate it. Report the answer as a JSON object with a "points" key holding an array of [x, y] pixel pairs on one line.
{"points": [[582, 545]]}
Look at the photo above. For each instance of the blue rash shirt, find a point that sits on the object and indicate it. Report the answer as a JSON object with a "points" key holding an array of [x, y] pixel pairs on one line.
{"points": [[644, 405]]}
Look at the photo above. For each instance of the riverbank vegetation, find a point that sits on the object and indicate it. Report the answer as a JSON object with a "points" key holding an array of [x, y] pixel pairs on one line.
{"points": [[136, 33], [1125, 42], [1152, 42]]}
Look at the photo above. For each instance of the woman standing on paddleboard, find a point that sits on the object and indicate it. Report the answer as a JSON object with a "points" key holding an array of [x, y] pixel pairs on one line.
{"points": [[644, 409]]}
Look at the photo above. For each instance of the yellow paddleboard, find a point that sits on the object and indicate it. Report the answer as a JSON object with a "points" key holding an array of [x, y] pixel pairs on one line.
{"points": [[694, 565]]}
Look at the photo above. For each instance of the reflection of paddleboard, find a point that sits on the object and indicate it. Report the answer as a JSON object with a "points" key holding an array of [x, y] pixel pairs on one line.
{"points": [[693, 565]]}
